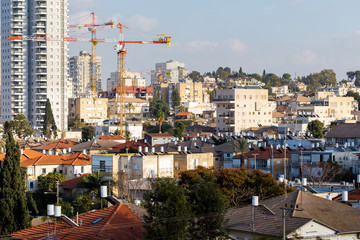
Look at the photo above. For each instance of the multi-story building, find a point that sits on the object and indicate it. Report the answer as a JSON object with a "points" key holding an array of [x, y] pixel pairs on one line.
{"points": [[80, 70], [89, 110], [168, 72], [135, 108], [132, 79], [239, 108], [34, 70]]}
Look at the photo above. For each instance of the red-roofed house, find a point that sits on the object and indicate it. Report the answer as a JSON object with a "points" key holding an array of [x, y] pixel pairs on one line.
{"points": [[69, 187], [265, 158], [26, 154], [116, 138], [158, 138], [115, 222], [184, 116], [70, 166], [128, 145], [59, 145]]}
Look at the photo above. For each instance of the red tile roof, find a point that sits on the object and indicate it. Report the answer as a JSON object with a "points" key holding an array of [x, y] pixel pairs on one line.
{"points": [[112, 137], [130, 144], [59, 144], [115, 222], [70, 184], [27, 154], [78, 159], [183, 114], [135, 89], [159, 134], [265, 153]]}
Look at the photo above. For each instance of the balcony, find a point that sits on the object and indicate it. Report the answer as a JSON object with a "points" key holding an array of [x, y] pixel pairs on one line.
{"points": [[103, 169]]}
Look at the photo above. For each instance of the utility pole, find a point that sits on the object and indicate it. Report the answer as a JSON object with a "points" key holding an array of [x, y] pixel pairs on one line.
{"points": [[255, 154], [285, 162], [285, 212]]}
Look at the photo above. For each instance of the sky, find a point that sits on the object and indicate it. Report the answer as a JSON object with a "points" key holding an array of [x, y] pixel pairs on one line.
{"points": [[281, 36]]}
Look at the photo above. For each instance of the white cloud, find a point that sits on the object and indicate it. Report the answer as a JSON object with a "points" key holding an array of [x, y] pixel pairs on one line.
{"points": [[305, 57], [236, 45], [139, 22], [200, 44]]}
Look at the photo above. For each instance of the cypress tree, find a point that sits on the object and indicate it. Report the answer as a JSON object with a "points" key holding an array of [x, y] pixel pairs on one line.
{"points": [[14, 214], [49, 127]]}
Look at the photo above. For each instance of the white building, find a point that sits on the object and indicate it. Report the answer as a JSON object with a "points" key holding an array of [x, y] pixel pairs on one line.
{"points": [[33, 71], [132, 79], [169, 72], [80, 70], [239, 108]]}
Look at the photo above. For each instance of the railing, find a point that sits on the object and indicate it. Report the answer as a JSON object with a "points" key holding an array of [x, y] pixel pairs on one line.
{"points": [[106, 169]]}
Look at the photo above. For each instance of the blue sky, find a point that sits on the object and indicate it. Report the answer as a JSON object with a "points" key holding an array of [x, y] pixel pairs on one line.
{"points": [[294, 36]]}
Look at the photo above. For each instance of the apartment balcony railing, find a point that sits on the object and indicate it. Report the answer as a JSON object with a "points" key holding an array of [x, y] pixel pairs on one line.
{"points": [[103, 169]]}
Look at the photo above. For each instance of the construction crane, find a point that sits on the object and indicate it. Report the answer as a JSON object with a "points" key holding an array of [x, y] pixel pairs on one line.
{"points": [[121, 66], [92, 27]]}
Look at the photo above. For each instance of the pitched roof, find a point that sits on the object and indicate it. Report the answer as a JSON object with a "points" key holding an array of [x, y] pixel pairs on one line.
{"points": [[59, 144], [27, 154], [71, 183], [112, 137], [183, 114], [193, 146], [115, 222], [310, 207], [345, 130], [159, 134], [353, 195], [94, 145], [265, 153], [131, 144], [77, 159]]}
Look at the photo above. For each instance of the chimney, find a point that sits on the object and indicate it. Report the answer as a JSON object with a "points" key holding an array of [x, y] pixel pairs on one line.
{"points": [[140, 149], [146, 149], [179, 148]]}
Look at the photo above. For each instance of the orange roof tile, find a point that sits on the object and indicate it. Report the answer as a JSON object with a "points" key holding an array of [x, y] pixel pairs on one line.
{"points": [[27, 154], [70, 184], [128, 145], [183, 114], [115, 222], [112, 137], [72, 159], [59, 144]]}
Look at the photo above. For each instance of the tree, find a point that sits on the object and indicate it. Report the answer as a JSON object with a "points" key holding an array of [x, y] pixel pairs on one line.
{"points": [[82, 203], [49, 127], [221, 73], [242, 144], [196, 76], [316, 128], [20, 126], [168, 210], [350, 75], [48, 182], [326, 77], [14, 214], [208, 207], [158, 105], [129, 107], [92, 182], [117, 132], [77, 123], [272, 80], [160, 118], [212, 95], [179, 129], [320, 172], [355, 95], [175, 99], [357, 78], [88, 133]]}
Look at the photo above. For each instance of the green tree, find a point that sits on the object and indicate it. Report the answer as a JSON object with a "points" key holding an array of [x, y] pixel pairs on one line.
{"points": [[129, 107], [88, 133], [355, 95], [168, 210], [117, 132], [196, 76], [76, 123], [316, 128], [92, 182], [158, 105], [82, 203], [160, 118], [350, 75], [272, 80], [256, 76], [175, 99], [326, 77], [14, 213], [242, 144], [49, 127], [221, 73], [20, 126], [357, 78], [208, 207], [212, 95], [48, 182], [179, 129]]}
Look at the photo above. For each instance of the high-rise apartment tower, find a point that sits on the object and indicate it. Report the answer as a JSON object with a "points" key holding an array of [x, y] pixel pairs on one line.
{"points": [[33, 71]]}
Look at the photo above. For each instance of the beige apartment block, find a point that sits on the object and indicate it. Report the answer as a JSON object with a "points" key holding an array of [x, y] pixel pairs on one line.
{"points": [[323, 95], [190, 92], [190, 161], [134, 108], [89, 110], [239, 108]]}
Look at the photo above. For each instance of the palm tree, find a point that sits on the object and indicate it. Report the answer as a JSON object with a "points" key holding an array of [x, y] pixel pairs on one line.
{"points": [[160, 119], [92, 182], [242, 145], [182, 108], [130, 107]]}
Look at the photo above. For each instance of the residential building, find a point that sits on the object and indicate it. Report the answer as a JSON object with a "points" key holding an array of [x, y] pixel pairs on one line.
{"points": [[72, 165], [132, 79], [106, 223], [145, 93], [89, 110], [34, 71], [280, 91], [168, 72], [135, 108], [95, 146], [158, 138], [344, 133], [189, 161], [239, 108], [310, 217], [81, 70], [135, 128]]}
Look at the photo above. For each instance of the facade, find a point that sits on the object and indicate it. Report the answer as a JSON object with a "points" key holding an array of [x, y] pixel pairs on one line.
{"points": [[168, 72], [80, 72], [239, 108], [135, 108], [132, 79], [34, 71], [158, 138], [190, 161], [89, 110]]}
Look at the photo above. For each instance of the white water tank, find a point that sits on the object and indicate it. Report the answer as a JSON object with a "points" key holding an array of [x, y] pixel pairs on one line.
{"points": [[140, 149], [103, 191], [304, 182], [345, 197], [57, 211], [50, 209], [146, 149], [255, 201], [179, 149], [185, 148], [162, 149], [137, 202], [153, 150]]}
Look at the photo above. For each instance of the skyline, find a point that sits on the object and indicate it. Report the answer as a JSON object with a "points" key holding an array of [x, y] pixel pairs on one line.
{"points": [[296, 36]]}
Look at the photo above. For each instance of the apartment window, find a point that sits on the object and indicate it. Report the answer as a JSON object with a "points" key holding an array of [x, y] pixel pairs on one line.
{"points": [[43, 170], [31, 185], [82, 169], [102, 166]]}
